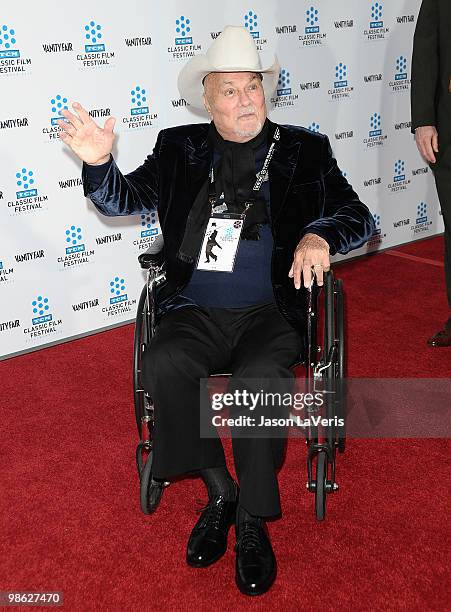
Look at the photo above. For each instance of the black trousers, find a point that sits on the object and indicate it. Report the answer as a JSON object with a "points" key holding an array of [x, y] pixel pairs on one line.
{"points": [[442, 174], [190, 344]]}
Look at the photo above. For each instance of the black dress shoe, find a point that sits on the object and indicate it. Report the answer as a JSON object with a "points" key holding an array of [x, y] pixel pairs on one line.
{"points": [[208, 540], [441, 338], [256, 565]]}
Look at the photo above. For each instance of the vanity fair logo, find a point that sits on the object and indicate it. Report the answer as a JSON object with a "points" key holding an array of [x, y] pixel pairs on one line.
{"points": [[138, 41], [6, 326], [344, 23], [372, 182], [286, 29], [179, 103], [405, 19], [11, 123], [30, 256]]}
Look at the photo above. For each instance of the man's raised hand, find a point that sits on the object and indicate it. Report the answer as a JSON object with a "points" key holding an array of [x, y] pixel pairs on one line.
{"points": [[90, 142]]}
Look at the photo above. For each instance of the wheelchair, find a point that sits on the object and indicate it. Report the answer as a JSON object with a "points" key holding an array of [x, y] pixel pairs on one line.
{"points": [[324, 363]]}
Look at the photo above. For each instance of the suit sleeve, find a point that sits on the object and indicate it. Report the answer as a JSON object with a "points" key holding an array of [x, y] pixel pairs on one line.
{"points": [[129, 194], [346, 223], [425, 65]]}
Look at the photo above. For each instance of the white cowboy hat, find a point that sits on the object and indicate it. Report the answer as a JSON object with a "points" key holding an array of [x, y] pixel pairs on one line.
{"points": [[233, 51]]}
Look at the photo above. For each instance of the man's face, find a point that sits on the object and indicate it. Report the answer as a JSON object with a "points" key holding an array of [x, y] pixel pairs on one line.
{"points": [[236, 103]]}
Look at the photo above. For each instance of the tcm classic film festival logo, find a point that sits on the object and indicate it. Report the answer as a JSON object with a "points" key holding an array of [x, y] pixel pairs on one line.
{"points": [[6, 277], [400, 181], [251, 23], [95, 53], [76, 253], [139, 115], [43, 322], [27, 198], [6, 273], [422, 223], [184, 45], [11, 61], [376, 137], [312, 32], [377, 236], [284, 94], [57, 104], [118, 301], [376, 29], [341, 87], [148, 231], [400, 82]]}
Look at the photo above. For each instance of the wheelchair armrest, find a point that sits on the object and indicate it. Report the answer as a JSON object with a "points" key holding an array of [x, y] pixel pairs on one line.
{"points": [[154, 256]]}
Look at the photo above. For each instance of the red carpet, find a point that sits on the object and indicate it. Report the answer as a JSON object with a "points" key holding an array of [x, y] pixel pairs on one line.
{"points": [[70, 508]]}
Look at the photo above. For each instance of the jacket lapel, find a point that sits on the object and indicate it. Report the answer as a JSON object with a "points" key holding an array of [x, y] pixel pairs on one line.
{"points": [[197, 161], [281, 169]]}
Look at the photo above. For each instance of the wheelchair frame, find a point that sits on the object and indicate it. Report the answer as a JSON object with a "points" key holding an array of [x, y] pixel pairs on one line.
{"points": [[324, 365]]}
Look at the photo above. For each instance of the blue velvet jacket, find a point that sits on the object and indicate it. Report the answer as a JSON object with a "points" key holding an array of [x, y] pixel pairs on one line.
{"points": [[308, 193]]}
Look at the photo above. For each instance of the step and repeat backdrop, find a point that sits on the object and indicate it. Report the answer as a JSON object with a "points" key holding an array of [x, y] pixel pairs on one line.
{"points": [[65, 269]]}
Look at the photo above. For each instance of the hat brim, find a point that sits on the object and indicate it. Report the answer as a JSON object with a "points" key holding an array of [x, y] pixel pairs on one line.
{"points": [[196, 69]]}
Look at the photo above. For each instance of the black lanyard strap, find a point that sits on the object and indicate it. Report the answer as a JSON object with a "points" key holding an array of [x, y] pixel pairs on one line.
{"points": [[260, 178]]}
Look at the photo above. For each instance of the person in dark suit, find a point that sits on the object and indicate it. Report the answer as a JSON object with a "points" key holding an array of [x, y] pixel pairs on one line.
{"points": [[431, 116], [297, 208]]}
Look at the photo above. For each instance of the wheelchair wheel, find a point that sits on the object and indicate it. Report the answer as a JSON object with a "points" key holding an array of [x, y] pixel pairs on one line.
{"points": [[151, 490], [320, 486], [341, 362], [329, 317], [139, 346], [145, 485]]}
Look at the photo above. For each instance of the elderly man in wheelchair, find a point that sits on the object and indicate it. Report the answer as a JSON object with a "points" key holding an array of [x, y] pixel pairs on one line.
{"points": [[249, 211]]}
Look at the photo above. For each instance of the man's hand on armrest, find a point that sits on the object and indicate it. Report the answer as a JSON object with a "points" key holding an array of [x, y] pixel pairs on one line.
{"points": [[311, 252]]}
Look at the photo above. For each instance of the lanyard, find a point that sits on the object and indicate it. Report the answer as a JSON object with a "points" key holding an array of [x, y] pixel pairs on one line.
{"points": [[260, 178]]}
